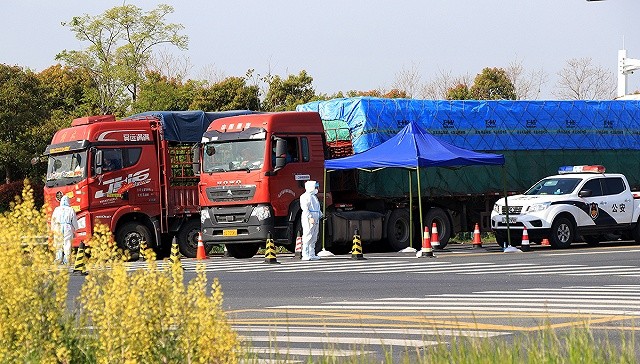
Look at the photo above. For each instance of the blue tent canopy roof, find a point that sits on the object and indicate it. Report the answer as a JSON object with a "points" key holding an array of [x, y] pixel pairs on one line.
{"points": [[413, 147]]}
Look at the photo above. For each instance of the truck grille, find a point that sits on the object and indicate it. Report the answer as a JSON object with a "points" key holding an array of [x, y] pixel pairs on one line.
{"points": [[231, 193], [513, 210]]}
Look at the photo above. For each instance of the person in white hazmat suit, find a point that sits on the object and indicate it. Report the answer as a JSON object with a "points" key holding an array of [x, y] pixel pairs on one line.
{"points": [[311, 216], [64, 224]]}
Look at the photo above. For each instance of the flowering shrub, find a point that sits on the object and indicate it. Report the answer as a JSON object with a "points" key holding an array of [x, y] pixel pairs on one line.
{"points": [[146, 316]]}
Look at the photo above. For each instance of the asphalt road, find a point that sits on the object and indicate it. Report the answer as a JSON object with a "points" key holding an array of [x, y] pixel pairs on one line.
{"points": [[393, 301]]}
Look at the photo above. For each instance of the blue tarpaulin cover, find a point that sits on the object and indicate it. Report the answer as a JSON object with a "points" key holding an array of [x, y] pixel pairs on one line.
{"points": [[413, 147], [488, 125], [187, 126]]}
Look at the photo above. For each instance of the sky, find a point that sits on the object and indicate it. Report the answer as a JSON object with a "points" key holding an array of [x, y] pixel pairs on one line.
{"points": [[354, 44]]}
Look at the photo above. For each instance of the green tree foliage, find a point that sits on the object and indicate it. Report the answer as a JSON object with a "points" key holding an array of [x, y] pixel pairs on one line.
{"points": [[157, 92], [391, 94], [459, 92], [492, 84], [232, 93], [286, 94], [21, 115], [120, 44]]}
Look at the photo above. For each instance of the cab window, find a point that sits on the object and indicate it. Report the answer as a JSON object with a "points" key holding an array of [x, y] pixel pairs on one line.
{"points": [[595, 187], [614, 185], [305, 149]]}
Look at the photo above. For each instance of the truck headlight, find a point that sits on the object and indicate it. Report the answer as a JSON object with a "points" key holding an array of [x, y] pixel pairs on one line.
{"points": [[204, 215], [82, 222], [261, 212], [538, 206]]}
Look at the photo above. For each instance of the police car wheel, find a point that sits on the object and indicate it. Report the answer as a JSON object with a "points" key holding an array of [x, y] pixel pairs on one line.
{"points": [[562, 233]]}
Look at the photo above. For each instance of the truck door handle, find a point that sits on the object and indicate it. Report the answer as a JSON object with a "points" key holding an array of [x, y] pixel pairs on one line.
{"points": [[627, 200], [603, 202]]}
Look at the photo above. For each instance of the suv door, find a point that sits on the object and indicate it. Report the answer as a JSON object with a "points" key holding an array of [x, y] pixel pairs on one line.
{"points": [[619, 200]]}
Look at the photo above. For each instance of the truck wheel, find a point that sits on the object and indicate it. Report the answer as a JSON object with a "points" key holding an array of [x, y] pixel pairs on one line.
{"points": [[131, 234], [501, 238], [187, 238], [635, 233], [243, 251], [438, 216], [562, 233], [398, 229]]}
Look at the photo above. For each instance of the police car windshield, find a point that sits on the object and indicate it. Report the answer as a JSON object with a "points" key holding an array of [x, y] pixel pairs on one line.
{"points": [[554, 186]]}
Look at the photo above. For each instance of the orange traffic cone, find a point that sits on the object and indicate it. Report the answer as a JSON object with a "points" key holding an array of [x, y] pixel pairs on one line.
{"points": [[426, 251], [545, 242], [298, 250], [201, 253], [477, 243], [525, 247], [435, 240]]}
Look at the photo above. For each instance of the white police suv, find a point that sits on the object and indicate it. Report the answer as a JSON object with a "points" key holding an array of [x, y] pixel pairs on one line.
{"points": [[579, 201]]}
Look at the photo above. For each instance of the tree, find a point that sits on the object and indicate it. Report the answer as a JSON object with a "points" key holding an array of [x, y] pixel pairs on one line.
{"points": [[580, 79], [459, 92], [120, 44], [527, 86], [66, 88], [22, 112], [492, 84], [438, 88], [158, 92], [391, 94], [232, 93], [408, 81], [288, 93]]}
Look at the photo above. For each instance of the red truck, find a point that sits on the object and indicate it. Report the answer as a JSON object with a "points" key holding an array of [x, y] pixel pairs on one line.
{"points": [[253, 170], [134, 175]]}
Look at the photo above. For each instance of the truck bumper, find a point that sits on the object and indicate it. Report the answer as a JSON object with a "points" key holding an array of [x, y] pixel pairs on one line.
{"points": [[229, 225], [537, 228]]}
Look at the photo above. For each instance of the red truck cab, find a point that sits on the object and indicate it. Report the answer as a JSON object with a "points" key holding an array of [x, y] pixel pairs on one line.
{"points": [[253, 170]]}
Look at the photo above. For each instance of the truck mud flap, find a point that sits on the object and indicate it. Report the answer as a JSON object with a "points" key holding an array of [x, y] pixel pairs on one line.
{"points": [[344, 223]]}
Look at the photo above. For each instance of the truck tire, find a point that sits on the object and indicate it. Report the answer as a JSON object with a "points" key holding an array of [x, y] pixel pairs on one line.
{"points": [[187, 238], [438, 216], [562, 233], [635, 232], [501, 238], [398, 229], [243, 251], [129, 236]]}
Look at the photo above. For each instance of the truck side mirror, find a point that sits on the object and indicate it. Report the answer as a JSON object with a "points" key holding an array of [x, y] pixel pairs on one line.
{"points": [[98, 161], [281, 153], [195, 159]]}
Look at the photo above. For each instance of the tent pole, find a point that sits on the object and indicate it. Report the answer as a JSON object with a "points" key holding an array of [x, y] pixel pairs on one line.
{"points": [[506, 205], [419, 197], [324, 204], [410, 211]]}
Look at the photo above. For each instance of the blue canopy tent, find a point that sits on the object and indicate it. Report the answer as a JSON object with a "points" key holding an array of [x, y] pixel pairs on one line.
{"points": [[413, 148]]}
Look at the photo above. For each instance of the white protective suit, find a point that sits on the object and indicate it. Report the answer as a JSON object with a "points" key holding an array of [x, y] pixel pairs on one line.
{"points": [[64, 224], [311, 215]]}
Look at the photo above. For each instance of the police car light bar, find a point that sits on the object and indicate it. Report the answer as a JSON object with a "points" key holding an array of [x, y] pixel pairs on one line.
{"points": [[581, 169]]}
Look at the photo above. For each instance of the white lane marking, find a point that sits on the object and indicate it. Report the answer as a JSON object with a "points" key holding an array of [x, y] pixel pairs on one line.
{"points": [[340, 340], [363, 330]]}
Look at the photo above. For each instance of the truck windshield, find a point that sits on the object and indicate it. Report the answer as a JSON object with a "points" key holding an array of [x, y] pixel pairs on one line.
{"points": [[67, 168], [233, 156], [554, 186]]}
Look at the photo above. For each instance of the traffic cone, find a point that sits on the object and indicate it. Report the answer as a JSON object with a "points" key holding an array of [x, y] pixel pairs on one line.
{"points": [[226, 252], [298, 249], [201, 253], [79, 267], [435, 240], [270, 251], [356, 249], [525, 247], [426, 251], [174, 258], [545, 242], [477, 243], [143, 250]]}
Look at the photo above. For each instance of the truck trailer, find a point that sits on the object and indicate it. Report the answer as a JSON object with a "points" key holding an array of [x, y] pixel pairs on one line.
{"points": [[241, 205], [133, 175]]}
